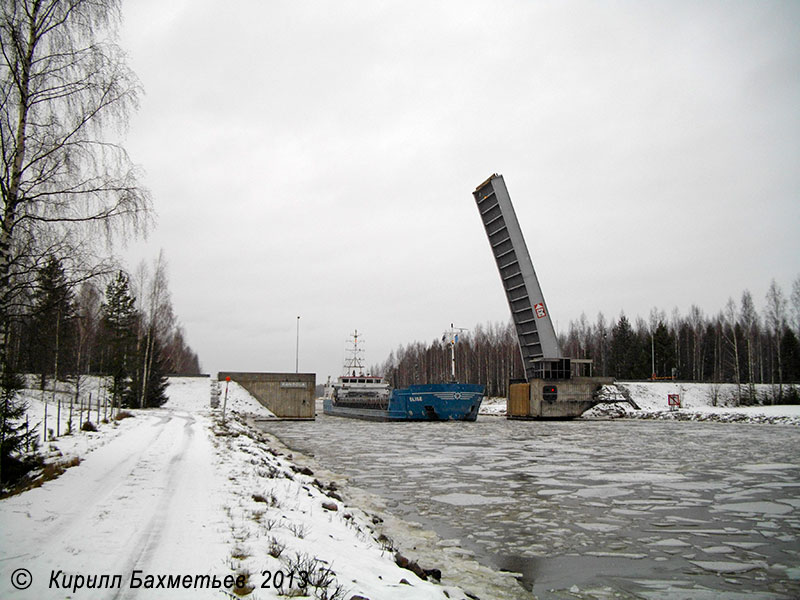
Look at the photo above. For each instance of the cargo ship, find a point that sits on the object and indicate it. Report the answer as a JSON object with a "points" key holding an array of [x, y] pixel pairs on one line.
{"points": [[359, 396]]}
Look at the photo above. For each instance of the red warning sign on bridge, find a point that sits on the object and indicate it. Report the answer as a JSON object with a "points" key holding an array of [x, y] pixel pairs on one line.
{"points": [[539, 310]]}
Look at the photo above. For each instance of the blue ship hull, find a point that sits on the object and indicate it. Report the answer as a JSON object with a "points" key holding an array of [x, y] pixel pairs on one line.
{"points": [[429, 402]]}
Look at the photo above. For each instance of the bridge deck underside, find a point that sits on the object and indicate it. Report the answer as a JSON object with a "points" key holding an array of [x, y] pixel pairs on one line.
{"points": [[516, 271]]}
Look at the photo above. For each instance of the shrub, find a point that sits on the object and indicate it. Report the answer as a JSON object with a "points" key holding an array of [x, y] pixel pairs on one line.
{"points": [[246, 588], [276, 547]]}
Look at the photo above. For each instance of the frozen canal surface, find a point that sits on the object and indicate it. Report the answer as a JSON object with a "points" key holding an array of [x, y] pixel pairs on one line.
{"points": [[589, 509]]}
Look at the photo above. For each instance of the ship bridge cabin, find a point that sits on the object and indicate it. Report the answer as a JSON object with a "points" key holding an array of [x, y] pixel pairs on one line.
{"points": [[362, 379]]}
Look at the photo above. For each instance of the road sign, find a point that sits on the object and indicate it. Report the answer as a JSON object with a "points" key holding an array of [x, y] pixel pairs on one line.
{"points": [[674, 401]]}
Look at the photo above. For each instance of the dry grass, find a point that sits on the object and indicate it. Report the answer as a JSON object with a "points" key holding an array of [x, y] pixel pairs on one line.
{"points": [[246, 589], [49, 472]]}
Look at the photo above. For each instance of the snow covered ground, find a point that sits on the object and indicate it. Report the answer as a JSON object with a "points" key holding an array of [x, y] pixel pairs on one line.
{"points": [[173, 502], [697, 404], [493, 407]]}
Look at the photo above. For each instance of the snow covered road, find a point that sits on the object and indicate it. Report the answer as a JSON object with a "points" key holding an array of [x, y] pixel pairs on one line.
{"points": [[113, 513]]}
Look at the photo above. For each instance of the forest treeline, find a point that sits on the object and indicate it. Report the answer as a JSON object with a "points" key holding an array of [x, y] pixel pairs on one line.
{"points": [[738, 344], [118, 326], [488, 355]]}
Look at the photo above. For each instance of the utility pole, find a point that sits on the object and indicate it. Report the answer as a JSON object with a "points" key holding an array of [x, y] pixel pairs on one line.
{"points": [[652, 355], [297, 348], [225, 401]]}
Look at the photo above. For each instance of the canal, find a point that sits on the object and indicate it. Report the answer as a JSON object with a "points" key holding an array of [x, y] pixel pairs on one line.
{"points": [[588, 509]]}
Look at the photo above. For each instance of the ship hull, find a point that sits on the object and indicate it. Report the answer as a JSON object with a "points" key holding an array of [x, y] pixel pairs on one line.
{"points": [[430, 402]]}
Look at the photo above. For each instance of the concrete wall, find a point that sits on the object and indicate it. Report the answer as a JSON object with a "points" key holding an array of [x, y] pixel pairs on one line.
{"points": [[287, 395]]}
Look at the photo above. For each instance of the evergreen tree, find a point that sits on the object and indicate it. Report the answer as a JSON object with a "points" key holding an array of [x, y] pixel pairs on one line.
{"points": [[711, 366], [623, 350], [52, 325], [17, 442], [155, 390], [664, 349], [790, 355], [120, 322]]}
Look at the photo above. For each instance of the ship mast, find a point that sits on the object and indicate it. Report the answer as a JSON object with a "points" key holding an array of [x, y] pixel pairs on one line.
{"points": [[354, 362], [451, 338]]}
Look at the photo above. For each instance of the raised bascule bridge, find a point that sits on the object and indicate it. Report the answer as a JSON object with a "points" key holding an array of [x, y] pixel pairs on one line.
{"points": [[555, 387]]}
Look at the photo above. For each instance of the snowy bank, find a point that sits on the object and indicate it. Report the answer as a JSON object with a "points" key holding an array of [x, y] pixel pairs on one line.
{"points": [[699, 402], [493, 407], [285, 520]]}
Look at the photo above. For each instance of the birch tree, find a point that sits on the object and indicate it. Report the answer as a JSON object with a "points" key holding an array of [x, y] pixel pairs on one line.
{"points": [[775, 317], [157, 324], [729, 333], [65, 91], [795, 303], [748, 317]]}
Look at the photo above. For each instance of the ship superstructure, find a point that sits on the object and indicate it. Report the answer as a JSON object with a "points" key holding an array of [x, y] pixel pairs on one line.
{"points": [[354, 388]]}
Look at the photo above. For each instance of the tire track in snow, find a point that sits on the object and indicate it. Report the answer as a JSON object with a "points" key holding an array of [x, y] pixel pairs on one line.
{"points": [[133, 479], [148, 541], [66, 511]]}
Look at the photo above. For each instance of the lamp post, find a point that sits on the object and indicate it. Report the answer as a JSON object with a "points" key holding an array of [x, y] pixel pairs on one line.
{"points": [[297, 348], [653, 356]]}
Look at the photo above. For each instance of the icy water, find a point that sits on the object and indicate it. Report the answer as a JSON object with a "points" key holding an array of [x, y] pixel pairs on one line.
{"points": [[589, 509]]}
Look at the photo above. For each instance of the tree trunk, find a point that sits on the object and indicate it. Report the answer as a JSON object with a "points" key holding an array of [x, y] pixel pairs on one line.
{"points": [[12, 194]]}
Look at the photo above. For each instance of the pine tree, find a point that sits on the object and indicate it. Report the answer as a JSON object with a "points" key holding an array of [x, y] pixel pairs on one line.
{"points": [[119, 322]]}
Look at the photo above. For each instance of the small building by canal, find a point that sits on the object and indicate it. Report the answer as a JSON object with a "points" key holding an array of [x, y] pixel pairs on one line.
{"points": [[286, 395]]}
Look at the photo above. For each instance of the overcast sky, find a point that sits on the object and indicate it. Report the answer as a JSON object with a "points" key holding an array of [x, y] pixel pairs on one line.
{"points": [[318, 159]]}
